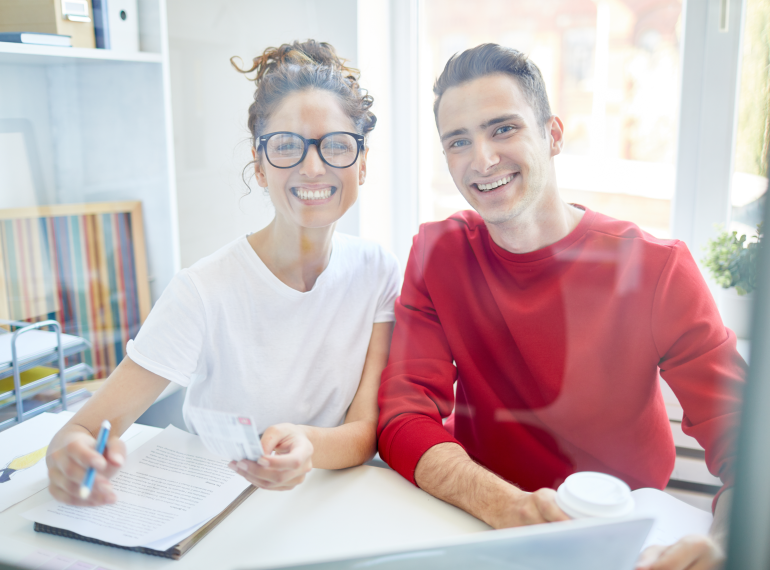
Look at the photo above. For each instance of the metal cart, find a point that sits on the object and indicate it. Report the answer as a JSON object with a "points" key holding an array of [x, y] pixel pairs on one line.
{"points": [[28, 347]]}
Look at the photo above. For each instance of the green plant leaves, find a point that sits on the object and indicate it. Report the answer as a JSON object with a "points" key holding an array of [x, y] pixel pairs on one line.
{"points": [[732, 262]]}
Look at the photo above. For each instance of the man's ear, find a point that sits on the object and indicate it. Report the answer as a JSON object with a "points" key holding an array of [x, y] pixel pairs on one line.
{"points": [[259, 172], [556, 131]]}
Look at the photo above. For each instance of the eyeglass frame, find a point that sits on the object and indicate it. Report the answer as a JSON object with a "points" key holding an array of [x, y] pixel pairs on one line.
{"points": [[360, 144]]}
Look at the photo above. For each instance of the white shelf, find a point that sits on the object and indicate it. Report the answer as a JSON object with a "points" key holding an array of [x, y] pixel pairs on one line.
{"points": [[82, 125], [28, 54]]}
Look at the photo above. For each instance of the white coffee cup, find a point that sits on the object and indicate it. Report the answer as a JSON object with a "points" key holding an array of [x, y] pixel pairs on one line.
{"points": [[589, 495]]}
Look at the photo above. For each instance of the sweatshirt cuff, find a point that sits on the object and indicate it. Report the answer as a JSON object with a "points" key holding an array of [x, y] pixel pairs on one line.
{"points": [[403, 450]]}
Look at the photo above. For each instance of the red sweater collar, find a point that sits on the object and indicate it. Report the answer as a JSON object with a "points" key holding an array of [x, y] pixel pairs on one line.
{"points": [[546, 252]]}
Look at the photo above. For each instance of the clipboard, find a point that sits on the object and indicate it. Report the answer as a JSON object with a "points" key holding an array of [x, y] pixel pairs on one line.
{"points": [[175, 552]]}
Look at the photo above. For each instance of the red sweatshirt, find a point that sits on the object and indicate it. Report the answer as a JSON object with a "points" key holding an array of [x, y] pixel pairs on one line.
{"points": [[556, 355]]}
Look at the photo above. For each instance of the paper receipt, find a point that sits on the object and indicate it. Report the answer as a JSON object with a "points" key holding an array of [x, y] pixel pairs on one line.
{"points": [[231, 436]]}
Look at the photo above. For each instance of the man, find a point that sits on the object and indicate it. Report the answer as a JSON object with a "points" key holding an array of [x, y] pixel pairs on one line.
{"points": [[553, 321]]}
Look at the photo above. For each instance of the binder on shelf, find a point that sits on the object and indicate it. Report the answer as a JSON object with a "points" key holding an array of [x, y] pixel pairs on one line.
{"points": [[59, 17], [116, 25], [101, 24], [36, 38]]}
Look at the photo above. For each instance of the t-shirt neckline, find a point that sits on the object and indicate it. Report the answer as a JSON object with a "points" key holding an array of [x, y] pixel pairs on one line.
{"points": [[550, 250], [279, 286]]}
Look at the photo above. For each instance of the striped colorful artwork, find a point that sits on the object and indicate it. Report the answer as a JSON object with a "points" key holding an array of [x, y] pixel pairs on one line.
{"points": [[80, 270]]}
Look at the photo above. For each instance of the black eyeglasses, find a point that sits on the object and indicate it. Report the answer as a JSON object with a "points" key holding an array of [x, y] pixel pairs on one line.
{"points": [[284, 149]]}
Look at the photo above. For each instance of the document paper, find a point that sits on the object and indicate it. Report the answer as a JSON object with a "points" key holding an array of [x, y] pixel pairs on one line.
{"points": [[169, 485], [674, 519]]}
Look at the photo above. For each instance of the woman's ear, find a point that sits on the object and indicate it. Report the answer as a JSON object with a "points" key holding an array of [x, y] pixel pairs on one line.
{"points": [[362, 167], [259, 172]]}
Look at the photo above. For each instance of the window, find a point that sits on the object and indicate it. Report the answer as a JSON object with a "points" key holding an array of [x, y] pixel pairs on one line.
{"points": [[749, 182]]}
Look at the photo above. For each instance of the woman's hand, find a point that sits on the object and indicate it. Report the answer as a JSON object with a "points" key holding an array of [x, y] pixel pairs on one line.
{"points": [[693, 552], [67, 465], [287, 468]]}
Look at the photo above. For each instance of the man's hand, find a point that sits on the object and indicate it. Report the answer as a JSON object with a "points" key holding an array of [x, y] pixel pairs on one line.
{"points": [[284, 470], [447, 472], [533, 508], [694, 552]]}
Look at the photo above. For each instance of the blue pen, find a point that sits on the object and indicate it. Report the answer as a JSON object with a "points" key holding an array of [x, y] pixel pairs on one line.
{"points": [[101, 443]]}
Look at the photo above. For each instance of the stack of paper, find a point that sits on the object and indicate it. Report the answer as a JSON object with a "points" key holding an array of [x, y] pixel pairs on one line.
{"points": [[169, 488]]}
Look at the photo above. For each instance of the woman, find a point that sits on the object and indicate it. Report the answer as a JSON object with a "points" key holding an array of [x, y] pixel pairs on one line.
{"points": [[290, 324]]}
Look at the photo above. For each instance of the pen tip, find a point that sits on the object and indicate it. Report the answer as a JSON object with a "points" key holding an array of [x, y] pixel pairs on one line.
{"points": [[106, 424], [85, 492]]}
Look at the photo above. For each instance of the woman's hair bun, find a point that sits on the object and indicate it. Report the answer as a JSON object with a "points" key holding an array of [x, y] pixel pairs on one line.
{"points": [[310, 52]]}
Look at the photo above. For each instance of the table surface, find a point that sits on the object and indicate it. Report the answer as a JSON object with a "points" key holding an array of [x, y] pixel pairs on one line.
{"points": [[333, 514]]}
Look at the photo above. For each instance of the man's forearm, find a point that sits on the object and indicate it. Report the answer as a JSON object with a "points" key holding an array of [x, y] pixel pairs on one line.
{"points": [[447, 472]]}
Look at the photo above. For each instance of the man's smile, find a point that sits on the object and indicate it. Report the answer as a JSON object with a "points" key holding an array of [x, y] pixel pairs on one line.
{"points": [[492, 185]]}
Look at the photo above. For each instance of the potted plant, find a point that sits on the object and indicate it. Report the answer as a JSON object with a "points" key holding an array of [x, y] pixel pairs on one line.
{"points": [[732, 263]]}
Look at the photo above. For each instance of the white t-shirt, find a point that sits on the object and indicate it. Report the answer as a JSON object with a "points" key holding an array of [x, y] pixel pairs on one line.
{"points": [[244, 342]]}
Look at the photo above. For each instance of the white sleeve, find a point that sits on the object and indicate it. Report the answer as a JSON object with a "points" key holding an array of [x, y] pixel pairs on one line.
{"points": [[170, 340], [391, 278]]}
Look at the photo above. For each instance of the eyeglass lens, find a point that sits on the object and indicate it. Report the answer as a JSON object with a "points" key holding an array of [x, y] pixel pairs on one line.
{"points": [[285, 149]]}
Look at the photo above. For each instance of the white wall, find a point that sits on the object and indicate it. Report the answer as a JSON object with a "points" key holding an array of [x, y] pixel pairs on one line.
{"points": [[210, 103], [24, 99]]}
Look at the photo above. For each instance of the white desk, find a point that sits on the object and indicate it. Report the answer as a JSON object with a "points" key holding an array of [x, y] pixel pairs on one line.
{"points": [[333, 514]]}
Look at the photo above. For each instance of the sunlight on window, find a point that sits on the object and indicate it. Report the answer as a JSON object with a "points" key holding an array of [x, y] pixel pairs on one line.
{"points": [[749, 183]]}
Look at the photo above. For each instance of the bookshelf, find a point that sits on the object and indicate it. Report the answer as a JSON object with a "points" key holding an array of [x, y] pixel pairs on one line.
{"points": [[88, 125], [23, 54]]}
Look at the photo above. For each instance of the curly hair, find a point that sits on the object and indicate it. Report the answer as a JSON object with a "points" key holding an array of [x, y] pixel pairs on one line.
{"points": [[302, 66]]}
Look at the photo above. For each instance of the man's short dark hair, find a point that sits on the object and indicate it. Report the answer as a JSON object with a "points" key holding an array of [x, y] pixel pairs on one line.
{"points": [[490, 59]]}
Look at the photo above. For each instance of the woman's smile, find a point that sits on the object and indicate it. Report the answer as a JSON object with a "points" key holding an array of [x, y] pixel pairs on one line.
{"points": [[313, 194]]}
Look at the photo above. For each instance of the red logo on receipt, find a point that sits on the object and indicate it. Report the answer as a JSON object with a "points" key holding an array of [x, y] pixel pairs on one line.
{"points": [[245, 421]]}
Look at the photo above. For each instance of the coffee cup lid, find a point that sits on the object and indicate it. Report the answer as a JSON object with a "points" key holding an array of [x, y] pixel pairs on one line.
{"points": [[589, 494]]}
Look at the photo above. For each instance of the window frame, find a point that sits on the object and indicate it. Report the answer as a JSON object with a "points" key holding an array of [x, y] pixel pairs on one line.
{"points": [[711, 62]]}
